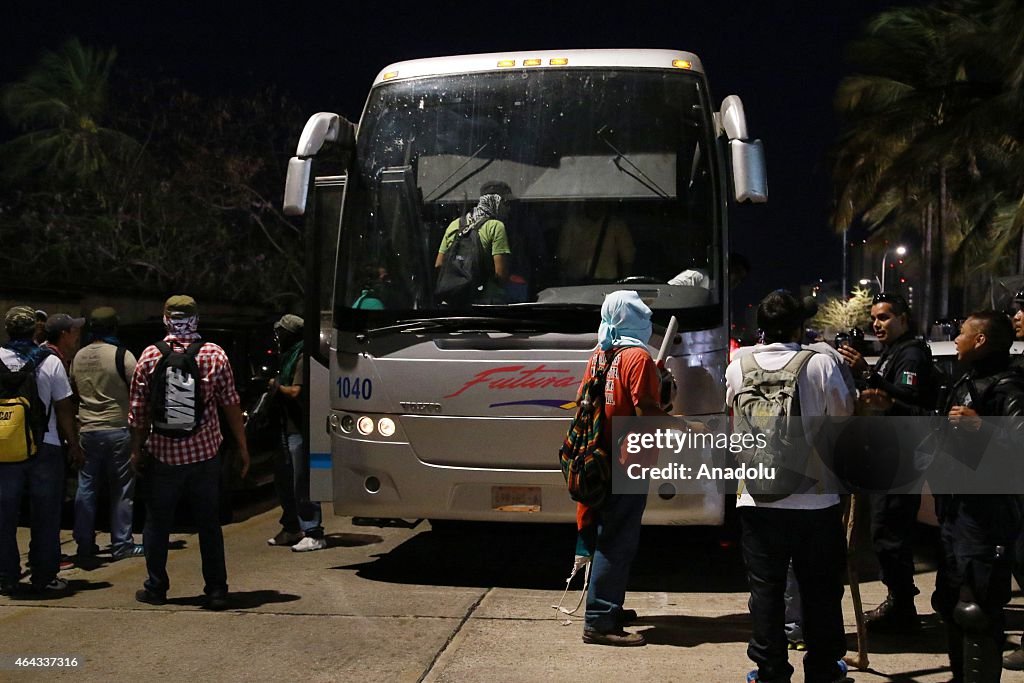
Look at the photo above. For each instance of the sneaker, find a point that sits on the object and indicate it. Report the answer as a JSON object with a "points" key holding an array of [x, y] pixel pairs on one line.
{"points": [[1015, 660], [9, 587], [797, 645], [217, 600], [309, 543], [134, 550], [842, 678], [149, 597], [618, 638], [58, 585], [285, 538], [66, 563], [893, 616]]}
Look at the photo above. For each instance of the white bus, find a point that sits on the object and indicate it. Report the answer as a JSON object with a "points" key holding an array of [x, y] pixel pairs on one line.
{"points": [[619, 169]]}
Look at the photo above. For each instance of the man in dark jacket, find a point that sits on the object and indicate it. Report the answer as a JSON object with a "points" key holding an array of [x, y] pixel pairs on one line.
{"points": [[905, 372], [978, 530]]}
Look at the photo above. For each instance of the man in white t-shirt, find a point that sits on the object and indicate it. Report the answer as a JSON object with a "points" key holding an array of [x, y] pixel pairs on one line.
{"points": [[41, 475], [803, 528]]}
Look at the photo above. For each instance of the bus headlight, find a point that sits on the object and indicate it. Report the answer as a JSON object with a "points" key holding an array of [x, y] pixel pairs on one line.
{"points": [[386, 426], [348, 423], [365, 425]]}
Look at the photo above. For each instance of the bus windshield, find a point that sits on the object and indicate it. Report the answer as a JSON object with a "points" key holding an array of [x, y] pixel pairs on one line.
{"points": [[605, 179]]}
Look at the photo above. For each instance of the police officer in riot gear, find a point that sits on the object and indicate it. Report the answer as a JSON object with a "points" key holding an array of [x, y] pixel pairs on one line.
{"points": [[1015, 660], [905, 373]]}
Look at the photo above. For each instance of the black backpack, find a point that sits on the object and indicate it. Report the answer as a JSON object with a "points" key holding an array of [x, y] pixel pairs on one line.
{"points": [[23, 415], [176, 391], [464, 270]]}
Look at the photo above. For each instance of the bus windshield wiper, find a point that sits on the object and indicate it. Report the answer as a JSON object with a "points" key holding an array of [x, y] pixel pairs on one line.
{"points": [[430, 195], [646, 180], [457, 323]]}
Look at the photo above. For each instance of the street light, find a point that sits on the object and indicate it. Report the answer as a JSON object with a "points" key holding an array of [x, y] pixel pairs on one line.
{"points": [[900, 251]]}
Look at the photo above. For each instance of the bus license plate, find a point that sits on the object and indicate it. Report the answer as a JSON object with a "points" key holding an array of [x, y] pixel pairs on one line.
{"points": [[515, 498]]}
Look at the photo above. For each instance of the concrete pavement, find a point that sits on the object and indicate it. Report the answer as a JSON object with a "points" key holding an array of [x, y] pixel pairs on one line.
{"points": [[396, 604]]}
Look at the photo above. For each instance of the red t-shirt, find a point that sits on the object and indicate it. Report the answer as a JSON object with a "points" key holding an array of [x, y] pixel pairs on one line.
{"points": [[631, 377]]}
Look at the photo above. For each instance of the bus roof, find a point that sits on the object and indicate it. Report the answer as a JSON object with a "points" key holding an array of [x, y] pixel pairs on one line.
{"points": [[540, 59]]}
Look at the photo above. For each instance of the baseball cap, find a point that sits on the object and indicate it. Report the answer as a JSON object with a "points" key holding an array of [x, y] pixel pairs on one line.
{"points": [[289, 323], [103, 318], [20, 321], [59, 322], [180, 305], [41, 315]]}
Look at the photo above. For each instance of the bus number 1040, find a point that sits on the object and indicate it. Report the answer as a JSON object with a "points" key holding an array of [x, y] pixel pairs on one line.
{"points": [[354, 387]]}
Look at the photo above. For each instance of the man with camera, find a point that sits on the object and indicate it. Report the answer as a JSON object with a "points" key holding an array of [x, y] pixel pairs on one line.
{"points": [[905, 373]]}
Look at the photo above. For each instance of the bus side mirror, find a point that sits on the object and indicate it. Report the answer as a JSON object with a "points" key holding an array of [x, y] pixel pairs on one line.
{"points": [[320, 128], [749, 174], [749, 178], [296, 186]]}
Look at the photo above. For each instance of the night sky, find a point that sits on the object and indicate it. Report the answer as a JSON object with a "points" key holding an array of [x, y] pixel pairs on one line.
{"points": [[783, 58]]}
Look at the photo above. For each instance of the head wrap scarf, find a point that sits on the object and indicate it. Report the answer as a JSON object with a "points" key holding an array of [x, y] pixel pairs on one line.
{"points": [[488, 207], [625, 321], [182, 327]]}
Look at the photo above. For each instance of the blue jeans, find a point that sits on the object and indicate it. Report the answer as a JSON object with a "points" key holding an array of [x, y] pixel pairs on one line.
{"points": [[618, 535], [107, 455], [291, 479], [43, 476], [199, 483]]}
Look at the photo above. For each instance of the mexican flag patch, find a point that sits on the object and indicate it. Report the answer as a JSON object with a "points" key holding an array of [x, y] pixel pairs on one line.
{"points": [[908, 378]]}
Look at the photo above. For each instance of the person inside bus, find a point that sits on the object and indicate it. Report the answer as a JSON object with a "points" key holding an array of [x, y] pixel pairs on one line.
{"points": [[529, 257], [594, 246], [488, 221]]}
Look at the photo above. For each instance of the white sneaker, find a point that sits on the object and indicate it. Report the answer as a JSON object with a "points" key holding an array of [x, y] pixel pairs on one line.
{"points": [[308, 543]]}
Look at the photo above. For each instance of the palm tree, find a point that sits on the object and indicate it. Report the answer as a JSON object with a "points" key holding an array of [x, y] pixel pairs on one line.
{"points": [[928, 145], [61, 106]]}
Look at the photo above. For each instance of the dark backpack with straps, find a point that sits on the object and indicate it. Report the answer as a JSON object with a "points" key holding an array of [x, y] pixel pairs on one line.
{"points": [[23, 414], [464, 270], [584, 458], [176, 391]]}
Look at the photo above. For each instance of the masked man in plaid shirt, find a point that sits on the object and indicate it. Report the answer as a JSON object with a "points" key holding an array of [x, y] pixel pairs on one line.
{"points": [[185, 466]]}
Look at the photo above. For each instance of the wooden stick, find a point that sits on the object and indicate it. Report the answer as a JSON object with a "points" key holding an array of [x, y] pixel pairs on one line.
{"points": [[860, 660]]}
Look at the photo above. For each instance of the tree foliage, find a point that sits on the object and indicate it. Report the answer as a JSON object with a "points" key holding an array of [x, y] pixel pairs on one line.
{"points": [[190, 204], [840, 315], [931, 143]]}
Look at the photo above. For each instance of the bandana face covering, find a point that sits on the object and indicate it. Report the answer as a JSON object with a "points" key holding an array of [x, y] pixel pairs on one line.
{"points": [[181, 327]]}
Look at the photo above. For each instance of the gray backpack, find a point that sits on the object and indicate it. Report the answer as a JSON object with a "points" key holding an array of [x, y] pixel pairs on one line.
{"points": [[768, 406]]}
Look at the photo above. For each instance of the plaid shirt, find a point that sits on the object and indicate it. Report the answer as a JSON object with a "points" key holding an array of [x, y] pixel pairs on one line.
{"points": [[218, 389]]}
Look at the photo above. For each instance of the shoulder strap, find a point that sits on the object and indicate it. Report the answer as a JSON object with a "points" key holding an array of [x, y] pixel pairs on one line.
{"points": [[163, 347], [748, 364], [119, 355], [799, 360], [194, 348]]}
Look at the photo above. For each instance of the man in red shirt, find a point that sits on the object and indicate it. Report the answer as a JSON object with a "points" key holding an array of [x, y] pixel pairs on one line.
{"points": [[188, 465], [632, 387]]}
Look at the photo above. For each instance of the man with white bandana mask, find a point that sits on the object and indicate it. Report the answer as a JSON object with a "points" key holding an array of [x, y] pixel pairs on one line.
{"points": [[632, 388], [185, 466]]}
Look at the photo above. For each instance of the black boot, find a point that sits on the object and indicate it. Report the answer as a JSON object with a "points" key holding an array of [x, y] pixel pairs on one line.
{"points": [[894, 615]]}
